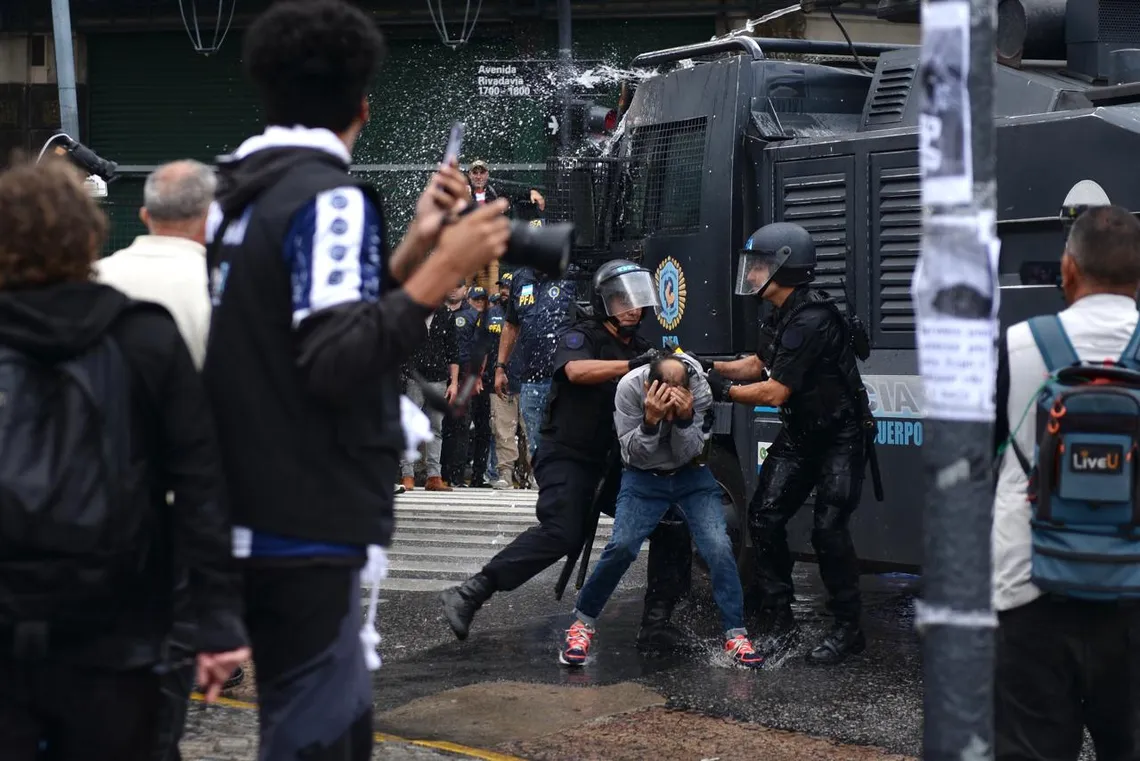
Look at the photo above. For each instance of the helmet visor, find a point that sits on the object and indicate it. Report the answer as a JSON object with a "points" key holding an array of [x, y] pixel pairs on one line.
{"points": [[632, 290], [755, 269]]}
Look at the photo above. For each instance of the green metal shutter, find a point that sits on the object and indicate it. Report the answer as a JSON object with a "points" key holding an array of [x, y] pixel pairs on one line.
{"points": [[153, 99]]}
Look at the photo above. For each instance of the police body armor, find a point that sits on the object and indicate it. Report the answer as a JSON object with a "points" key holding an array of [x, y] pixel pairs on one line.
{"points": [[831, 392], [839, 391]]}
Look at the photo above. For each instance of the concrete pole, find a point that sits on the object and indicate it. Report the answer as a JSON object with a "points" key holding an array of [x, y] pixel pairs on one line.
{"points": [[956, 298], [566, 70], [65, 68]]}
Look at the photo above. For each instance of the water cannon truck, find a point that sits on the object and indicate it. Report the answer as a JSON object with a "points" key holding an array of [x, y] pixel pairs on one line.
{"points": [[733, 133]]}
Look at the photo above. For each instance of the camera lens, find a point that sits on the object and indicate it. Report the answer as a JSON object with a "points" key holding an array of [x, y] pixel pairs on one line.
{"points": [[546, 249]]}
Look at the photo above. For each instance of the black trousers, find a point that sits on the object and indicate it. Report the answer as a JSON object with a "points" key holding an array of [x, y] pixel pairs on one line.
{"points": [[314, 690], [480, 412], [456, 436], [1063, 665], [566, 489], [83, 713], [832, 461]]}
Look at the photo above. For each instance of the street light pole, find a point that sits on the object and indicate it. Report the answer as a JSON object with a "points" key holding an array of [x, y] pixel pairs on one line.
{"points": [[65, 67], [956, 298]]}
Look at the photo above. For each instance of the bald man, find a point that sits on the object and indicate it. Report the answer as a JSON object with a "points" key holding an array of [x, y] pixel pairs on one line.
{"points": [[168, 265]]}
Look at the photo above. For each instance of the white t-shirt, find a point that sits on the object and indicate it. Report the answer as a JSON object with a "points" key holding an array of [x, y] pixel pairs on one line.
{"points": [[1099, 327]]}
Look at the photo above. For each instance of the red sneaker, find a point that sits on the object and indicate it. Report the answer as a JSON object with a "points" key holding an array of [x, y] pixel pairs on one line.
{"points": [[578, 638], [742, 652]]}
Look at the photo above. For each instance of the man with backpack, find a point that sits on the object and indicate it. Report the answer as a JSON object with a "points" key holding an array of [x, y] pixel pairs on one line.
{"points": [[1066, 534], [102, 414]]}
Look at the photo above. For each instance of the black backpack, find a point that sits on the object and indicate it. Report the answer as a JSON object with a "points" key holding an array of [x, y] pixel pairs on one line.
{"points": [[71, 522]]}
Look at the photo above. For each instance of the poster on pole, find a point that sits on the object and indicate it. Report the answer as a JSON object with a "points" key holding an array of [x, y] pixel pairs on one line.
{"points": [[955, 293], [944, 118]]}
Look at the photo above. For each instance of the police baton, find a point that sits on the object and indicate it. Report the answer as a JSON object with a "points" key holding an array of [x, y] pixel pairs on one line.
{"points": [[588, 545], [873, 462], [590, 530]]}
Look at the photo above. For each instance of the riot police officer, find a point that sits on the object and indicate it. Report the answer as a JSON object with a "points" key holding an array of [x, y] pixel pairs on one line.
{"points": [[806, 367], [579, 451], [457, 430], [537, 312]]}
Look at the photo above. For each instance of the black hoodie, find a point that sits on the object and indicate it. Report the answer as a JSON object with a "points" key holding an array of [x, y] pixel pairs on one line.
{"points": [[308, 416], [173, 437]]}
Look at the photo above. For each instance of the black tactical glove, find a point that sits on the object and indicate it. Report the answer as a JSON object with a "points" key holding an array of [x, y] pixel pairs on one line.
{"points": [[644, 359], [719, 385]]}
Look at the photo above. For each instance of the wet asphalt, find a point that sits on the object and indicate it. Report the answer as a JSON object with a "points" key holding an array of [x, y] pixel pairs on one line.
{"points": [[872, 699]]}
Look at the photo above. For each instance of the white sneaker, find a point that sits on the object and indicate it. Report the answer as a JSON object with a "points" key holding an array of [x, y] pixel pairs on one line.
{"points": [[500, 484]]}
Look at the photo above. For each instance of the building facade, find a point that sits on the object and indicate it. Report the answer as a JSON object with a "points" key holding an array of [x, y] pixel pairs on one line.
{"points": [[147, 95]]}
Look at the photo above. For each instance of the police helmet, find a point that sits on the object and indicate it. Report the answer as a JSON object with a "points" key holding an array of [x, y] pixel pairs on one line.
{"points": [[621, 285], [781, 253]]}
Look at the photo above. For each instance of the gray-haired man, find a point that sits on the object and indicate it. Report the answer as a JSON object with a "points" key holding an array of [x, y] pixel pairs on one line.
{"points": [[168, 266]]}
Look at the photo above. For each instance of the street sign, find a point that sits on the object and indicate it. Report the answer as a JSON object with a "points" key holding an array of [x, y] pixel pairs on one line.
{"points": [[552, 126], [527, 78]]}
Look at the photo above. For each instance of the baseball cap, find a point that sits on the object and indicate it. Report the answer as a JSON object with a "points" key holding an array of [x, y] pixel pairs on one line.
{"points": [[477, 293], [506, 278], [478, 164]]}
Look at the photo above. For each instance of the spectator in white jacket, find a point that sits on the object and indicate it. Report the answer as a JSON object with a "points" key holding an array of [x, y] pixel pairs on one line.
{"points": [[1063, 664], [168, 266]]}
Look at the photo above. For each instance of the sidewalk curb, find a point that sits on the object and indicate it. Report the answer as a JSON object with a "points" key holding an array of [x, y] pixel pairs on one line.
{"points": [[381, 737]]}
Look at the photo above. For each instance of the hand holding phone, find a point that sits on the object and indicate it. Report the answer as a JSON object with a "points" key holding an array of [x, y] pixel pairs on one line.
{"points": [[454, 144]]}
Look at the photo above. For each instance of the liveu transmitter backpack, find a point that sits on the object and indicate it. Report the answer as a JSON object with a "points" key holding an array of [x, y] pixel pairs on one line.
{"points": [[71, 520], [1083, 488]]}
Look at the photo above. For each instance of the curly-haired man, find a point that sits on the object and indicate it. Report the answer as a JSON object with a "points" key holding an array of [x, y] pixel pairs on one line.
{"points": [[102, 414], [312, 320]]}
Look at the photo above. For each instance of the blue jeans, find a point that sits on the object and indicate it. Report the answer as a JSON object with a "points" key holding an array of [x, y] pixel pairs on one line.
{"points": [[532, 407], [643, 500]]}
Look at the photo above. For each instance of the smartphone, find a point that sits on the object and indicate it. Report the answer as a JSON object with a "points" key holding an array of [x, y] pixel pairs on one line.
{"points": [[454, 143]]}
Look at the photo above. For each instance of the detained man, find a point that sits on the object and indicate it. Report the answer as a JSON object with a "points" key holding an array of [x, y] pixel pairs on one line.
{"points": [[657, 410]]}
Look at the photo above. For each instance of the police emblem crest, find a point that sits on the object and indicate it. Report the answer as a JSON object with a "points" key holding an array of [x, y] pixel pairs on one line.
{"points": [[671, 292], [460, 322], [554, 291]]}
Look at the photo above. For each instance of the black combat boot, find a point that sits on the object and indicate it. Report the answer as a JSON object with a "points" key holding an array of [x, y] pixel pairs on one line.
{"points": [[779, 631], [669, 576], [845, 638], [657, 632], [460, 603]]}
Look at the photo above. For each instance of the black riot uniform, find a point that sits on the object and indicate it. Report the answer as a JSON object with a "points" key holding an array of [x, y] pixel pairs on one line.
{"points": [[808, 346], [578, 468], [483, 343], [457, 430]]}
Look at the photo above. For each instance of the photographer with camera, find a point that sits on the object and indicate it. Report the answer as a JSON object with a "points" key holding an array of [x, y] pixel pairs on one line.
{"points": [[312, 320]]}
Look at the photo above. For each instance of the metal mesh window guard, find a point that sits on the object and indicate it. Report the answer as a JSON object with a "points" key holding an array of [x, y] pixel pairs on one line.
{"points": [[668, 162], [615, 203]]}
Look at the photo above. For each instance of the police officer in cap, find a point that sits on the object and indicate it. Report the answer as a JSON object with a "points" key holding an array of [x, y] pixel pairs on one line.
{"points": [[806, 367], [578, 452]]}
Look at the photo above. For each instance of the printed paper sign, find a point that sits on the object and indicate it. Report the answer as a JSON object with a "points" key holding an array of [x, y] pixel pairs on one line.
{"points": [[958, 360], [944, 119]]}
